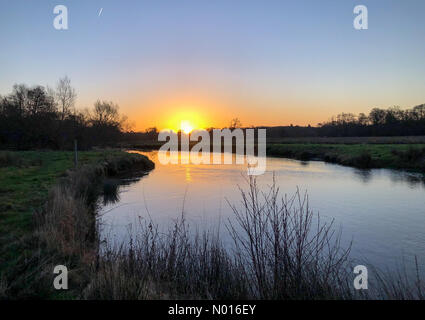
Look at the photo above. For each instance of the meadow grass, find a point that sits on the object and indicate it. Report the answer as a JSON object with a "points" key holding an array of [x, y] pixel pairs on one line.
{"points": [[351, 140], [393, 156], [27, 181]]}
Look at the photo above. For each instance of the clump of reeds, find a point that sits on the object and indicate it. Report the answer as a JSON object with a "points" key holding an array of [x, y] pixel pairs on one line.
{"points": [[286, 250], [130, 161], [397, 284], [111, 191], [3, 288], [66, 223], [364, 160]]}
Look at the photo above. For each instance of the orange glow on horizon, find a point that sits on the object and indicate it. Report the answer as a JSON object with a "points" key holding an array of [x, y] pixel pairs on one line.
{"points": [[186, 120], [186, 126], [166, 111]]}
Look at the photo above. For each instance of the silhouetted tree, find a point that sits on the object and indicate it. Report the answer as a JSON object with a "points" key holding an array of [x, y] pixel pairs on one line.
{"points": [[377, 116], [235, 123], [105, 114], [39, 117], [66, 96], [379, 122]]}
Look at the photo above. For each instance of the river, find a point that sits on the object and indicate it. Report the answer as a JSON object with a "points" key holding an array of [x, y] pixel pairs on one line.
{"points": [[381, 211]]}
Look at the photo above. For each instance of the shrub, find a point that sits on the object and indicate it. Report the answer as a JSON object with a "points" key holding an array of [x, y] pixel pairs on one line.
{"points": [[363, 161]]}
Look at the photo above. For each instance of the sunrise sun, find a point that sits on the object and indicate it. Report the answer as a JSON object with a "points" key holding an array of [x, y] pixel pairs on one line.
{"points": [[186, 126]]}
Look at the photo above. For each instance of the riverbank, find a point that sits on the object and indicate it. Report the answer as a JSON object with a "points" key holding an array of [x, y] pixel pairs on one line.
{"points": [[168, 265], [38, 190], [401, 153], [392, 156]]}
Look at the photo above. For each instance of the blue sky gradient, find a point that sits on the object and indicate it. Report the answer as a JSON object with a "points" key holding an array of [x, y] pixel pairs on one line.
{"points": [[267, 62]]}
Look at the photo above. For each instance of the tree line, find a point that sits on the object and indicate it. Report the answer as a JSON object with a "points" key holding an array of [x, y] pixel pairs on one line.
{"points": [[379, 122], [43, 117], [392, 121]]}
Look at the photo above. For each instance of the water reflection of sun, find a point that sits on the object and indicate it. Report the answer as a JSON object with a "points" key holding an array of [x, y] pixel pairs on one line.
{"points": [[188, 175]]}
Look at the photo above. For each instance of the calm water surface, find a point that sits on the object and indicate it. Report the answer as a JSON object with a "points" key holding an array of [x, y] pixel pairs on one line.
{"points": [[381, 211]]}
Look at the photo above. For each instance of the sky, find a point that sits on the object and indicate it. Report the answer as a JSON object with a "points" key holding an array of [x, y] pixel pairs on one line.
{"points": [[266, 62]]}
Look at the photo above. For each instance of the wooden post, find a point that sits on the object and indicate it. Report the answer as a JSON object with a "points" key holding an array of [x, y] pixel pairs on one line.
{"points": [[75, 153]]}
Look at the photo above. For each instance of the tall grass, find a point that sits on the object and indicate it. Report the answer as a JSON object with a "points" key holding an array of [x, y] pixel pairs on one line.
{"points": [[397, 285], [286, 249], [12, 159], [277, 253], [174, 264]]}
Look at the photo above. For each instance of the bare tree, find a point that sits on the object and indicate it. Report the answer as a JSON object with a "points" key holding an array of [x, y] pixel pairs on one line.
{"points": [[126, 124], [235, 123], [105, 114], [65, 96], [39, 101]]}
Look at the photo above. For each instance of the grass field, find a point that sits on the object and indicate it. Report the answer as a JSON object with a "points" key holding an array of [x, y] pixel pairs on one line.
{"points": [[26, 177], [406, 152], [394, 156], [25, 181], [352, 140]]}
